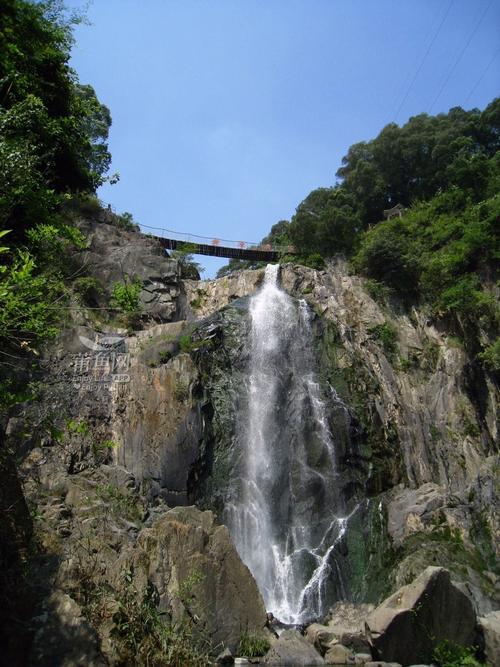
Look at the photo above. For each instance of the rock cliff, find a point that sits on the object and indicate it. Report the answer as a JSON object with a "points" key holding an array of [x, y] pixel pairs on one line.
{"points": [[132, 429]]}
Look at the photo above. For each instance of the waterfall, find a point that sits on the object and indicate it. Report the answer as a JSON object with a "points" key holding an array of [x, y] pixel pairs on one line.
{"points": [[285, 511]]}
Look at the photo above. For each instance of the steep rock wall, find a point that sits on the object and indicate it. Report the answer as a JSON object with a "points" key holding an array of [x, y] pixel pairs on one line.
{"points": [[417, 446], [427, 462]]}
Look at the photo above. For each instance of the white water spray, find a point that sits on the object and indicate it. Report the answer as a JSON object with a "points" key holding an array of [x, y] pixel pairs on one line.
{"points": [[283, 517]]}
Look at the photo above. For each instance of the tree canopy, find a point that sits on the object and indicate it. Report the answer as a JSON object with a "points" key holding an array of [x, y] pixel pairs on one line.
{"points": [[53, 130], [402, 165], [53, 133], [444, 171]]}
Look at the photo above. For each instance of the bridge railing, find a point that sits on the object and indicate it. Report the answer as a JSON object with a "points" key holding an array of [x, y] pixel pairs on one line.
{"points": [[182, 237]]}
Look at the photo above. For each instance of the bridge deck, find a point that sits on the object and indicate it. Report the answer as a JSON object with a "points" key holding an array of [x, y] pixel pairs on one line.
{"points": [[202, 245], [251, 254]]}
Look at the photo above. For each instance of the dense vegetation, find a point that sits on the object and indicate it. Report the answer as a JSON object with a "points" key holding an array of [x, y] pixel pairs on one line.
{"points": [[445, 172], [53, 149]]}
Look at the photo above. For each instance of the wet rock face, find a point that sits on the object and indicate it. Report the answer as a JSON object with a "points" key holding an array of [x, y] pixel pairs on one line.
{"points": [[432, 441], [415, 387]]}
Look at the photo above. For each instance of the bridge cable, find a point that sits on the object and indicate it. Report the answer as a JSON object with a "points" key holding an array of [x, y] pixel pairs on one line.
{"points": [[196, 236], [490, 63], [405, 97], [460, 55]]}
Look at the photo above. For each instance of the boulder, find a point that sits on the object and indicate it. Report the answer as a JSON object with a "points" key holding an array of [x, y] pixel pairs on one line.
{"points": [[356, 641], [293, 650], [362, 658], [348, 617], [63, 637], [490, 626], [408, 625], [196, 570], [113, 253], [225, 658], [320, 636], [339, 655]]}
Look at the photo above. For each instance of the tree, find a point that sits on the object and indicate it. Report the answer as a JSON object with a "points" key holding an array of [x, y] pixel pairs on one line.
{"points": [[325, 222], [53, 130]]}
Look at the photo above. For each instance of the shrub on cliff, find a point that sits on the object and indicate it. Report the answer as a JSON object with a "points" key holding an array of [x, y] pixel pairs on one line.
{"points": [[440, 251], [53, 133]]}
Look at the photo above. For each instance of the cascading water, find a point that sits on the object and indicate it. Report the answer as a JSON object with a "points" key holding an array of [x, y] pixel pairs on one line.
{"points": [[285, 512]]}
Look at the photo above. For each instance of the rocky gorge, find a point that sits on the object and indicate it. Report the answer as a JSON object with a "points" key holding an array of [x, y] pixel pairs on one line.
{"points": [[121, 471]]}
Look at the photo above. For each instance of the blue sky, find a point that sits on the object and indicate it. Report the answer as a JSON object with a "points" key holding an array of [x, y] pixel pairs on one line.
{"points": [[227, 113]]}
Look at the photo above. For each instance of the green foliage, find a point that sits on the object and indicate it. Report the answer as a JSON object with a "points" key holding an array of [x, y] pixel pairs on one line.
{"points": [[187, 587], [429, 357], [453, 153], [102, 449], [164, 357], [184, 255], [238, 265], [435, 433], [122, 503], [126, 221], [386, 257], [33, 292], [11, 393], [125, 295], [278, 236], [326, 223], [406, 364], [53, 135], [186, 343], [181, 391], [87, 287], [426, 155], [35, 62], [466, 298], [147, 637], [490, 356], [445, 172], [27, 298], [378, 291], [199, 300], [386, 335], [448, 654], [77, 427], [53, 130], [438, 251], [313, 261], [51, 242], [253, 646]]}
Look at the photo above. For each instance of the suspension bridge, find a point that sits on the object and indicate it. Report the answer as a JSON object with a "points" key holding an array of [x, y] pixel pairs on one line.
{"points": [[204, 245]]}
